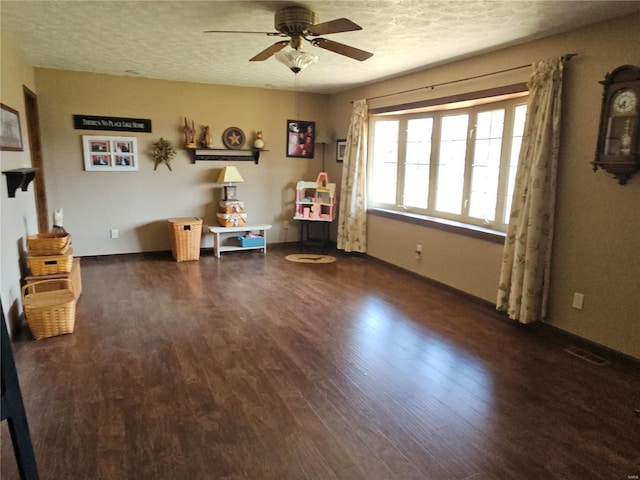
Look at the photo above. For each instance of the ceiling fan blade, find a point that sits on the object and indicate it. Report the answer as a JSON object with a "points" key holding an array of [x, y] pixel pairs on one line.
{"points": [[342, 49], [268, 52], [334, 26], [270, 34]]}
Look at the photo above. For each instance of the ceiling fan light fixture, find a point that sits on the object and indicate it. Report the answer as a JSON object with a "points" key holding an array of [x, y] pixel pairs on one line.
{"points": [[296, 60]]}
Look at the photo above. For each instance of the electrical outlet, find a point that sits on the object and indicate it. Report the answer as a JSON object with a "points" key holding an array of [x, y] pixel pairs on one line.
{"points": [[578, 301], [286, 224], [418, 251], [114, 233]]}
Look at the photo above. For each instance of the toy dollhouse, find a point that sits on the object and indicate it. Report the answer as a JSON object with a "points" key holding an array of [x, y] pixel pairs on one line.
{"points": [[316, 200]]}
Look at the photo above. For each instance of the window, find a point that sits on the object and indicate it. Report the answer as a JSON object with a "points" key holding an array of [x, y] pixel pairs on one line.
{"points": [[453, 163]]}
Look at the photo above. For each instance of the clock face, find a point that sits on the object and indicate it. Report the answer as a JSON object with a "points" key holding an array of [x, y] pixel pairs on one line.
{"points": [[625, 101]]}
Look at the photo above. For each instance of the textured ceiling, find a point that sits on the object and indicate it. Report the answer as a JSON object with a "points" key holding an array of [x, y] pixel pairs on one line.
{"points": [[165, 39]]}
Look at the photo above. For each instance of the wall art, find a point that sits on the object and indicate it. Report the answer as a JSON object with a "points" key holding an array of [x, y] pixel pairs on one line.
{"points": [[301, 138], [341, 146], [110, 154], [10, 133]]}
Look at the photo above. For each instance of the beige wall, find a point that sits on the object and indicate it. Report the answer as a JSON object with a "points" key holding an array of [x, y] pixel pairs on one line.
{"points": [[597, 226], [18, 214], [139, 203]]}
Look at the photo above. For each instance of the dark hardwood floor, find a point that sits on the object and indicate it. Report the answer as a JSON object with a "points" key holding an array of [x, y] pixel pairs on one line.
{"points": [[253, 367]]}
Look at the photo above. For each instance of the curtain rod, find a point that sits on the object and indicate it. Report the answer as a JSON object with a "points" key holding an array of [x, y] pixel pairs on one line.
{"points": [[565, 57]]}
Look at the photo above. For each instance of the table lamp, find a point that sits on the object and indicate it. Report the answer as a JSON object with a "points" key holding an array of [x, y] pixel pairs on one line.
{"points": [[229, 176]]}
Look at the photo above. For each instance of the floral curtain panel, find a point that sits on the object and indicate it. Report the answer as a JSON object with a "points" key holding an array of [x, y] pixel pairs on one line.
{"points": [[524, 276], [352, 220]]}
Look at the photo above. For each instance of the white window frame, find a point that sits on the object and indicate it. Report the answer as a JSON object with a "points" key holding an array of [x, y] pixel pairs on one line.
{"points": [[437, 113]]}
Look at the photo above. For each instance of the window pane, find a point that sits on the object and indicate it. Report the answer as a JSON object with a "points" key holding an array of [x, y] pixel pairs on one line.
{"points": [[417, 162], [486, 165], [384, 175], [516, 142], [453, 145]]}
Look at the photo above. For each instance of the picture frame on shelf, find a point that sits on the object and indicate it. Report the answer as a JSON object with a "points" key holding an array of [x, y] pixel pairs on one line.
{"points": [[10, 132], [110, 154], [301, 137], [341, 146]]}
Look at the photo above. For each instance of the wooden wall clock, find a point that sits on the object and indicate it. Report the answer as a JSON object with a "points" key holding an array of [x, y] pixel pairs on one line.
{"points": [[618, 150]]}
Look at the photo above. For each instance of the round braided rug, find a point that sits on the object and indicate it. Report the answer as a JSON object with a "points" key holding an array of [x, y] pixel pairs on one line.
{"points": [[310, 258]]}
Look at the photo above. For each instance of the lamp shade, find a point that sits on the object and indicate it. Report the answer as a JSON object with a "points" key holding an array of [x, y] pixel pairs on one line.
{"points": [[230, 175], [323, 136], [296, 60]]}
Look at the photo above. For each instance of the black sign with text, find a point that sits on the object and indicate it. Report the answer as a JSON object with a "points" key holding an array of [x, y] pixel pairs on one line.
{"points": [[120, 124]]}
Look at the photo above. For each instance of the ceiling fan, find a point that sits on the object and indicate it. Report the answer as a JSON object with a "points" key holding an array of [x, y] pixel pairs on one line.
{"points": [[299, 24]]}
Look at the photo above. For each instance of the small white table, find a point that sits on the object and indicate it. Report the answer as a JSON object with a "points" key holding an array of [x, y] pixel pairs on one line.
{"points": [[217, 247]]}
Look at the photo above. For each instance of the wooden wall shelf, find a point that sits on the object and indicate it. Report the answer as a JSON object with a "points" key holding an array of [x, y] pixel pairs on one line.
{"points": [[19, 178], [226, 155]]}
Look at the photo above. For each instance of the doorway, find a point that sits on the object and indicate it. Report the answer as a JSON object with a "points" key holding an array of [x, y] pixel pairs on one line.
{"points": [[35, 145]]}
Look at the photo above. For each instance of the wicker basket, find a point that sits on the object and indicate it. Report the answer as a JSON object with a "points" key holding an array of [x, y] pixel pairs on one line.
{"points": [[232, 219], [232, 206], [48, 243], [52, 312], [49, 265], [185, 235]]}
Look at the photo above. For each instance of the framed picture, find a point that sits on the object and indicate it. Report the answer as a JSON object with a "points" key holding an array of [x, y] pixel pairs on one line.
{"points": [[341, 146], [301, 138], [110, 154], [10, 133]]}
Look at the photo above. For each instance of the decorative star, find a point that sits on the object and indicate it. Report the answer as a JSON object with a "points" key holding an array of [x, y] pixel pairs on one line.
{"points": [[162, 151], [234, 138]]}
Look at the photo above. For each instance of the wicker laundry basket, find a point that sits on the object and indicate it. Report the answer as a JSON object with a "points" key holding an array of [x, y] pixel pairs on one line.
{"points": [[52, 312], [51, 264], [48, 244], [185, 235]]}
